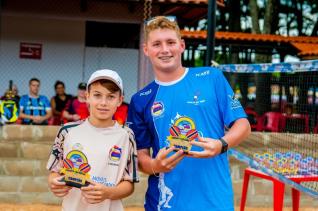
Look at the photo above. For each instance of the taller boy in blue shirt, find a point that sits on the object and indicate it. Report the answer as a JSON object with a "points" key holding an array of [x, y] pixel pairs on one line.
{"points": [[179, 102]]}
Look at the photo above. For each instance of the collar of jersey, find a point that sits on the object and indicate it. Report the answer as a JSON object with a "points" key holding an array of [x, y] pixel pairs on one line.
{"points": [[100, 129], [172, 82]]}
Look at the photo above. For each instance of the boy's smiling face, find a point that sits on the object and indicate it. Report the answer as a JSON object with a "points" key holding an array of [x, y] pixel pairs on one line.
{"points": [[164, 49], [102, 104]]}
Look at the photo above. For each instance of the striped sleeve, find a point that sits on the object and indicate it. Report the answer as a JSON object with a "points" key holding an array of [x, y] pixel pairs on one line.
{"points": [[55, 162], [130, 173]]}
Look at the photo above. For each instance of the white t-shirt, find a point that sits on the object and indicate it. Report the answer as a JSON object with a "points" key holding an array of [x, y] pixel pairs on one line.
{"points": [[110, 152]]}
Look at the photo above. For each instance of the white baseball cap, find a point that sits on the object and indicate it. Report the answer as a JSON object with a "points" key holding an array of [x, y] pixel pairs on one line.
{"points": [[106, 74]]}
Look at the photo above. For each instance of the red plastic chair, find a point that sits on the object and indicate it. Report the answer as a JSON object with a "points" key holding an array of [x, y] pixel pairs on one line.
{"points": [[303, 117], [271, 121], [316, 129], [306, 117], [278, 188]]}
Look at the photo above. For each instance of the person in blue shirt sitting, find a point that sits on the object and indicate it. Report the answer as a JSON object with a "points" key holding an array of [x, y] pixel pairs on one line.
{"points": [[35, 109]]}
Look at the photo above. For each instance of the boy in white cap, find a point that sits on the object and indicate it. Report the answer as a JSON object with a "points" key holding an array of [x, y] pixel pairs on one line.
{"points": [[99, 147]]}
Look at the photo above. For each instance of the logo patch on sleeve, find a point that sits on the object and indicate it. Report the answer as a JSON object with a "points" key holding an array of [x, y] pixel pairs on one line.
{"points": [[157, 109]]}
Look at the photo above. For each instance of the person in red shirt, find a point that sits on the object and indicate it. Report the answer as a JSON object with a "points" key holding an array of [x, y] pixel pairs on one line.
{"points": [[121, 113], [76, 108]]}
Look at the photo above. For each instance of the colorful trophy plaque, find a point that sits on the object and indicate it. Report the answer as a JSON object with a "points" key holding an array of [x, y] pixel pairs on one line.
{"points": [[76, 169], [182, 133]]}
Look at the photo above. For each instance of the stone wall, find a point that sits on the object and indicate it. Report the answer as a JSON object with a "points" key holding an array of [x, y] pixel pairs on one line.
{"points": [[24, 151]]}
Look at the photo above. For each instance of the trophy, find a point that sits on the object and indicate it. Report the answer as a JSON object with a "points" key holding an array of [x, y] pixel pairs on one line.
{"points": [[75, 169], [181, 133]]}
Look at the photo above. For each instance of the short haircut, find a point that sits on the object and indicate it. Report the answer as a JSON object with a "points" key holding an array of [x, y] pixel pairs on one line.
{"points": [[108, 84], [160, 22], [34, 79], [58, 83]]}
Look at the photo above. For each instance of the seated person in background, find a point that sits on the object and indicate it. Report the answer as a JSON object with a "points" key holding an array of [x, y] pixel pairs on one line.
{"points": [[35, 109], [121, 113], [15, 92], [58, 102], [288, 109], [76, 108]]}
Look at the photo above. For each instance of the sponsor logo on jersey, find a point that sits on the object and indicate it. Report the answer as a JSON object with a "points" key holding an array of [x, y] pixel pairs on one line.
{"points": [[145, 93], [36, 108], [103, 180], [205, 73], [78, 147], [157, 109], [115, 153], [235, 103], [196, 99]]}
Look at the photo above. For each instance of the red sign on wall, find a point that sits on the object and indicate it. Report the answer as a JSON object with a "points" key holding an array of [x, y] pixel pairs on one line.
{"points": [[30, 50]]}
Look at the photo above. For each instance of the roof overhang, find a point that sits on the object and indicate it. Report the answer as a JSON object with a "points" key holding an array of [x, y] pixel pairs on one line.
{"points": [[301, 45]]}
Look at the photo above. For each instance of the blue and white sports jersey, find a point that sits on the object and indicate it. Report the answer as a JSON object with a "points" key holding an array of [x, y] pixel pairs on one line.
{"points": [[34, 106], [201, 100]]}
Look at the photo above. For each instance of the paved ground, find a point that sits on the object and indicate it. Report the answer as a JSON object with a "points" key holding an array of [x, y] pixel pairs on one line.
{"points": [[39, 207]]}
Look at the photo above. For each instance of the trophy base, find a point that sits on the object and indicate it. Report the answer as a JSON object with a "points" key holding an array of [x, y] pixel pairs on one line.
{"points": [[76, 185], [180, 144], [75, 179], [184, 152]]}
